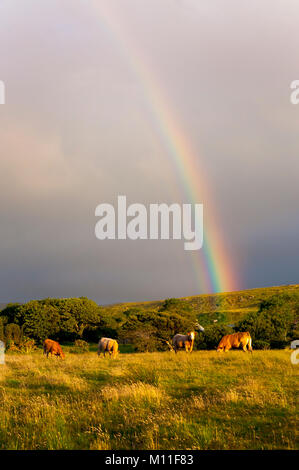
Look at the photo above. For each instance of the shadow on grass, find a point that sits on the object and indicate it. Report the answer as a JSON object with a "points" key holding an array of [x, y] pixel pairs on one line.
{"points": [[98, 376], [42, 387]]}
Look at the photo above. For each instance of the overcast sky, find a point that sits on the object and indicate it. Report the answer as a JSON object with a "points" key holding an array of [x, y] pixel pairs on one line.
{"points": [[76, 131]]}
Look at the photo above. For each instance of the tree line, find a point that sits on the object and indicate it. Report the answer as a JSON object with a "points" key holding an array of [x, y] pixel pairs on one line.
{"points": [[273, 325]]}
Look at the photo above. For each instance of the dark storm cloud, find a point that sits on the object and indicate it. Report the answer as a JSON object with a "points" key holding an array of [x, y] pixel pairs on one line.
{"points": [[75, 131]]}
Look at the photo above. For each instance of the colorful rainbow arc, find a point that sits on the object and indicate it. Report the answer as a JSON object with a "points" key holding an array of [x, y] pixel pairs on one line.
{"points": [[213, 270]]}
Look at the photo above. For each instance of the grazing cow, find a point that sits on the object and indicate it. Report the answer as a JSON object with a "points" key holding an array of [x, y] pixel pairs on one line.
{"points": [[183, 341], [234, 341], [53, 348], [108, 345]]}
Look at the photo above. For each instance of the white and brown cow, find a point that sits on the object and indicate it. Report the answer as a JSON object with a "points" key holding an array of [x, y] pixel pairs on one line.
{"points": [[108, 345], [184, 341]]}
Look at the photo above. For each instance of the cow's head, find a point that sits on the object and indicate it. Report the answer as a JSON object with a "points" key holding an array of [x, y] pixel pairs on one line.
{"points": [[199, 327], [191, 335], [61, 354]]}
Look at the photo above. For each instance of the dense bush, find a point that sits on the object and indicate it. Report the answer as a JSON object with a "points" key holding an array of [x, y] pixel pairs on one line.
{"points": [[62, 319], [143, 339], [210, 338], [10, 313], [26, 345], [260, 344], [275, 321], [92, 334], [149, 330], [13, 333], [80, 346]]}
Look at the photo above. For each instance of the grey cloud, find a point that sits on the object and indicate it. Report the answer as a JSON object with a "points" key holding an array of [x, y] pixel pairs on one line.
{"points": [[76, 131]]}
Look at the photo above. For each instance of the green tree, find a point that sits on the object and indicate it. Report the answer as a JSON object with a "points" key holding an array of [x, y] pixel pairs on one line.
{"points": [[77, 314], [274, 322], [40, 320], [151, 329], [13, 333], [57, 318], [143, 339], [10, 313]]}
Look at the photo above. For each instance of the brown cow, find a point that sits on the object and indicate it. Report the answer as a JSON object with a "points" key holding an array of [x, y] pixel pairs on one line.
{"points": [[234, 341], [53, 348], [183, 341], [108, 345]]}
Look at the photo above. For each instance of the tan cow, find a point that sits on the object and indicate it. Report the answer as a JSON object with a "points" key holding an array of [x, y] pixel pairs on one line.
{"points": [[108, 345], [183, 341], [234, 341], [53, 348]]}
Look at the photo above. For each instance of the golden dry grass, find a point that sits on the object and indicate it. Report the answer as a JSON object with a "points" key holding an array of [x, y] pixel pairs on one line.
{"points": [[149, 401]]}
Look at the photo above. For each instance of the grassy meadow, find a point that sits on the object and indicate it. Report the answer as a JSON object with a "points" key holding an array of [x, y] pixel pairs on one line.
{"points": [[149, 401]]}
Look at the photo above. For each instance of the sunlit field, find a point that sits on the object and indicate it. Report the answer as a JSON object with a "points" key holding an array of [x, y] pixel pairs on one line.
{"points": [[149, 401]]}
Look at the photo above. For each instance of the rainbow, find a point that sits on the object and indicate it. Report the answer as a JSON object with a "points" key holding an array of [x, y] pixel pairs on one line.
{"points": [[212, 264]]}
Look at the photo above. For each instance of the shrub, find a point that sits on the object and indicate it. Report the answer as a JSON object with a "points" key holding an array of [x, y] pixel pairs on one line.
{"points": [[13, 333], [10, 345], [53, 318], [10, 313], [274, 322], [143, 339], [27, 345], [81, 346], [260, 344], [277, 344]]}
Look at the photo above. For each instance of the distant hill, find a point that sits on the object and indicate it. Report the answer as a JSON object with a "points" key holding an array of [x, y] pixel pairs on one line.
{"points": [[147, 326], [225, 308], [228, 307]]}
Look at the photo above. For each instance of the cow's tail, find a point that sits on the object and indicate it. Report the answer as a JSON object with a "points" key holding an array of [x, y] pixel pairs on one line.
{"points": [[250, 344]]}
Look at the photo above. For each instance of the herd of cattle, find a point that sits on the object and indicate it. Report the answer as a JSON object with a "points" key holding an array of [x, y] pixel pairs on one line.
{"points": [[186, 342]]}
